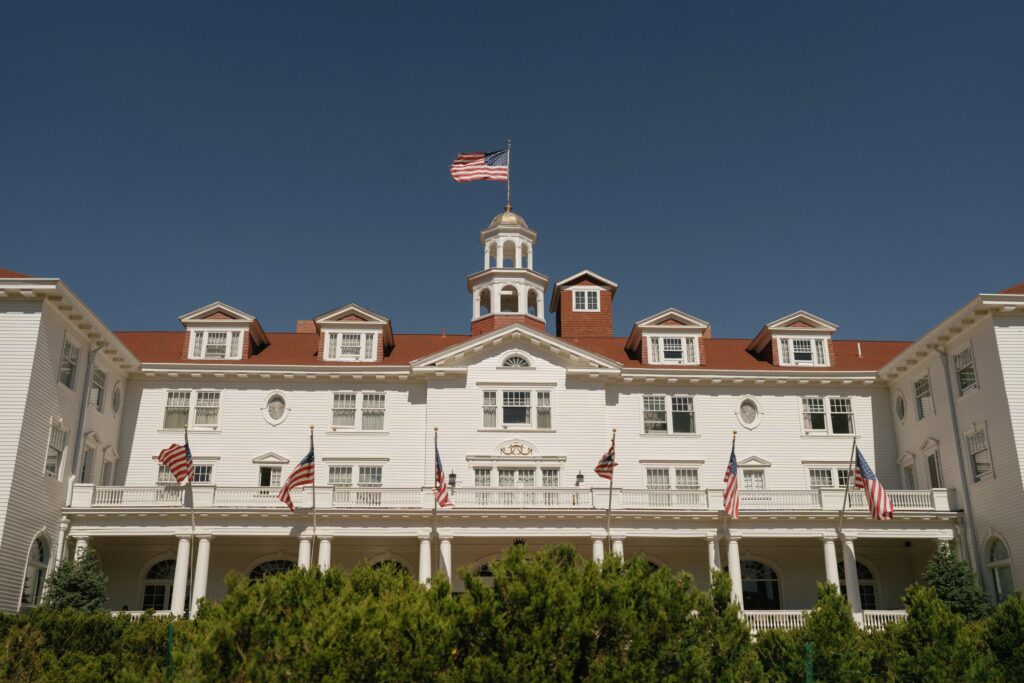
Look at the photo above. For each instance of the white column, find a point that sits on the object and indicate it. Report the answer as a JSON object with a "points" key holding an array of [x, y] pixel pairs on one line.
{"points": [[540, 304], [476, 303], [734, 570], [202, 573], [62, 534], [529, 256], [81, 545], [598, 548], [831, 568], [446, 556], [305, 552], [617, 549], [487, 254], [501, 254], [495, 297], [850, 574], [425, 559], [714, 559], [522, 298], [180, 585], [519, 254], [323, 559]]}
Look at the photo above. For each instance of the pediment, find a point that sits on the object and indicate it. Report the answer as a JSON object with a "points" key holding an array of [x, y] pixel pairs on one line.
{"points": [[351, 313], [219, 312], [802, 320], [754, 461], [270, 459], [671, 319]]}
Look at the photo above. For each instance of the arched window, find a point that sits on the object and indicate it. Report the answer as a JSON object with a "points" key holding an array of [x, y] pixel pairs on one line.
{"points": [[508, 254], [866, 581], [35, 571], [485, 301], [393, 566], [532, 302], [509, 299], [999, 566], [760, 586], [515, 361], [157, 586], [264, 570]]}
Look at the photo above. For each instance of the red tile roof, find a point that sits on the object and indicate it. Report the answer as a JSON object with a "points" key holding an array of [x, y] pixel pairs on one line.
{"points": [[291, 348], [1016, 289], [10, 273]]}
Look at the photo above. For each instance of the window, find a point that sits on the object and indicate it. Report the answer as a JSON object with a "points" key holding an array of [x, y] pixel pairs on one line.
{"points": [[909, 480], [351, 346], [760, 586], [35, 572], [1001, 571], [520, 409], [674, 350], [88, 465], [827, 477], [923, 398], [164, 475], [107, 471], [176, 410], [586, 300], [837, 420], [207, 408], [901, 406], [68, 364], [687, 478], [371, 476], [277, 408], [543, 410], [271, 567], [99, 380], [934, 469], [865, 582], [657, 478], [977, 449], [749, 413], [339, 475], [115, 399], [481, 476], [157, 586], [656, 419], [270, 476], [515, 407], [515, 361], [369, 415], [203, 474], [55, 449], [966, 376], [549, 476], [661, 478], [216, 345], [803, 351], [754, 480]]}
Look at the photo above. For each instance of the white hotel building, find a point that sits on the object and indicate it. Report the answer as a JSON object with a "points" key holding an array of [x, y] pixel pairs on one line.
{"points": [[522, 416]]}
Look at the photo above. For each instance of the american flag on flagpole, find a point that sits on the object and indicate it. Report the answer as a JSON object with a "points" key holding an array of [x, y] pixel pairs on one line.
{"points": [[440, 485], [304, 474], [879, 504], [178, 459], [480, 166], [606, 465], [731, 496]]}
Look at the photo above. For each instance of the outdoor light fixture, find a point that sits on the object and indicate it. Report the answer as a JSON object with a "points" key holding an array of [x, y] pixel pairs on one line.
{"points": [[579, 479], [451, 480]]}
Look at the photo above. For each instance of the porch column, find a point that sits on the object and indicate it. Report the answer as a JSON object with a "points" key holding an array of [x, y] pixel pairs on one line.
{"points": [[831, 568], [324, 557], [598, 548], [617, 549], [446, 556], [305, 552], [714, 558], [850, 574], [81, 545], [180, 578], [734, 570], [202, 572], [425, 559], [62, 534]]}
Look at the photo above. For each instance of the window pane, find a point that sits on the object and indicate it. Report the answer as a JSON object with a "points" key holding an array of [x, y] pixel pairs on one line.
{"points": [[934, 471], [506, 477], [753, 479], [908, 477], [203, 474], [490, 408], [216, 344], [339, 475], [370, 475], [821, 478], [176, 412], [977, 447], [802, 351], [526, 478], [68, 365], [844, 476], [96, 390], [842, 415], [655, 419], [543, 410], [819, 350], [88, 461], [207, 407], [814, 414], [682, 415], [370, 347], [236, 344], [672, 348], [966, 376], [373, 412], [657, 478], [784, 351], [923, 398], [516, 407], [687, 478], [344, 412], [655, 350], [549, 477], [349, 345], [197, 345], [481, 476]]}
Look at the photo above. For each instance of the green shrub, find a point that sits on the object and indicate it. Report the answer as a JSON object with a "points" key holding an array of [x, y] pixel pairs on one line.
{"points": [[77, 584], [955, 584]]}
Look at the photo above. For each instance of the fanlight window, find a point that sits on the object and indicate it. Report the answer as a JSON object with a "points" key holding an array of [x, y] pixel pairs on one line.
{"points": [[760, 586], [999, 566], [268, 568], [393, 566], [157, 586], [866, 582], [35, 572], [515, 362]]}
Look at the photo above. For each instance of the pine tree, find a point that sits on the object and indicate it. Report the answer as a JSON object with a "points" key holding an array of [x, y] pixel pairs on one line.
{"points": [[955, 584], [78, 584]]}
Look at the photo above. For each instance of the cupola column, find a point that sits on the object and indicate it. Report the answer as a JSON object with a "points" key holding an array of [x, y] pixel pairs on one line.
{"points": [[487, 256], [519, 254], [529, 258], [476, 303], [522, 298]]}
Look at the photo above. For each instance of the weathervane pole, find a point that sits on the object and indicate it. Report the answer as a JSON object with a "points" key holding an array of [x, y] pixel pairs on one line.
{"points": [[508, 176]]}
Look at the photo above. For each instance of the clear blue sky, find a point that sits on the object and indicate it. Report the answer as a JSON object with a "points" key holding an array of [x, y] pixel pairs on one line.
{"points": [[738, 161]]}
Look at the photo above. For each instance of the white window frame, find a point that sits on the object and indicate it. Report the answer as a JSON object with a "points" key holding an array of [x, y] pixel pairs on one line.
{"points": [[206, 467], [199, 343], [919, 398], [669, 403], [932, 456], [744, 471], [587, 299], [519, 471], [367, 341], [826, 402], [819, 351], [908, 473], [109, 459], [275, 476], [73, 359], [60, 445], [97, 395], [187, 407], [689, 349], [358, 408], [674, 471], [836, 475], [535, 409], [966, 352], [979, 432], [216, 406]]}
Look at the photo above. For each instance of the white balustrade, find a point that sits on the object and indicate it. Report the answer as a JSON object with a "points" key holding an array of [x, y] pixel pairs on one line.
{"points": [[768, 499], [137, 496], [255, 496], [763, 620], [346, 497], [880, 618], [137, 614], [647, 499], [901, 500], [544, 497]]}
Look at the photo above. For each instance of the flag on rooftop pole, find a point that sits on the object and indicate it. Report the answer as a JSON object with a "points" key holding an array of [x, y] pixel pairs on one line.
{"points": [[304, 474], [470, 166], [440, 485], [731, 495], [178, 459], [879, 503]]}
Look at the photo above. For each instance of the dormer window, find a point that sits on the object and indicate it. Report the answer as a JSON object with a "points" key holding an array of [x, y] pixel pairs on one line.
{"points": [[351, 346], [216, 345], [673, 350], [803, 351], [586, 300]]}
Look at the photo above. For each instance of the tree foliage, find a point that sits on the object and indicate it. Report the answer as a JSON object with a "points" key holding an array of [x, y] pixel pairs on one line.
{"points": [[955, 584], [77, 584]]}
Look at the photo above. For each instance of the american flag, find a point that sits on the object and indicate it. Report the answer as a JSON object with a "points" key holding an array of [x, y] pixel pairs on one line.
{"points": [[879, 503], [606, 465], [178, 459], [304, 474], [480, 166], [731, 495], [440, 485]]}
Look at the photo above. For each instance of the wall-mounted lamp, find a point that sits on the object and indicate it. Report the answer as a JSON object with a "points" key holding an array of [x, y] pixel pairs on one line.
{"points": [[451, 480], [579, 479]]}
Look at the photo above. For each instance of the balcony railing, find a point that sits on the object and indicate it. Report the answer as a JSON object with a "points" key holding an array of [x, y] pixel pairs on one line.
{"points": [[763, 620], [84, 496]]}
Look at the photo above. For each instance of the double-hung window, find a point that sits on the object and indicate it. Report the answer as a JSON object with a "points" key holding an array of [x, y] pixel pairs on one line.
{"points": [[203, 474], [207, 408], [364, 410], [822, 477], [164, 476], [827, 416], [673, 350], [803, 351], [176, 409], [841, 412], [680, 478], [586, 300], [966, 375], [270, 476], [68, 364], [923, 398], [97, 389], [934, 469], [55, 448], [977, 449], [216, 344], [351, 346], [754, 480], [517, 409], [339, 475], [659, 419]]}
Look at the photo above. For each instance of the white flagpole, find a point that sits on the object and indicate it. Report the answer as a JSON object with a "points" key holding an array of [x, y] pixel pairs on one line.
{"points": [[608, 516], [508, 176], [192, 535], [312, 548], [849, 476]]}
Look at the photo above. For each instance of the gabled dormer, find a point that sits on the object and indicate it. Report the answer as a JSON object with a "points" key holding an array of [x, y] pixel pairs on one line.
{"points": [[582, 304], [353, 334], [797, 340], [669, 338], [221, 332]]}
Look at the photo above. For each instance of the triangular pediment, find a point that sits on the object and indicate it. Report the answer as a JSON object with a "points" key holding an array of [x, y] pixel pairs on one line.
{"points": [[217, 311], [802, 320], [521, 336], [270, 459], [351, 313], [754, 461], [671, 319]]}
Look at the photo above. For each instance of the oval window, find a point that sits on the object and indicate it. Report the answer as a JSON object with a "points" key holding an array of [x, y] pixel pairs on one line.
{"points": [[901, 406], [276, 409], [115, 399], [748, 412]]}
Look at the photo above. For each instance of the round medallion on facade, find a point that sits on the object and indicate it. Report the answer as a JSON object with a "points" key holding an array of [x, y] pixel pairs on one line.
{"points": [[749, 412], [276, 408]]}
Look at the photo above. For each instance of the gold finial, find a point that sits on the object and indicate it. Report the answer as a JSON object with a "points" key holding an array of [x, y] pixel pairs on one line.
{"points": [[312, 427], [435, 430], [614, 430]]}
